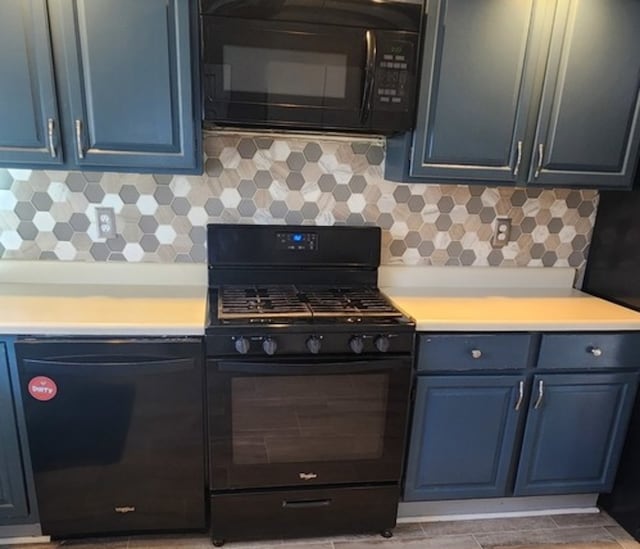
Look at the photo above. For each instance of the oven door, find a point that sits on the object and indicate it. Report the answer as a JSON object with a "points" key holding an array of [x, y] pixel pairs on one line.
{"points": [[285, 74], [289, 423]]}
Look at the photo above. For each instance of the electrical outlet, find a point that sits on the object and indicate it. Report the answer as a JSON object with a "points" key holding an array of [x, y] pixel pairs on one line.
{"points": [[106, 219], [502, 232]]}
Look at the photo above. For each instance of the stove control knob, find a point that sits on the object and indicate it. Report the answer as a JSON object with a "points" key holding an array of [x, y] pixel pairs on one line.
{"points": [[269, 346], [314, 344], [242, 345], [382, 343], [356, 344]]}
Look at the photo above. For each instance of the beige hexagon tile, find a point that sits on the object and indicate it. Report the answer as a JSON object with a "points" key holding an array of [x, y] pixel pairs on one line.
{"points": [[311, 172], [490, 196], [341, 211], [371, 214], [279, 150], [564, 250], [81, 241], [131, 232], [164, 215], [516, 215], [456, 231]]}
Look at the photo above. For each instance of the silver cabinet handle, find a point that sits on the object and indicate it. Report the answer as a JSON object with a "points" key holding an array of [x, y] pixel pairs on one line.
{"points": [[476, 353], [518, 159], [595, 351], [540, 395], [79, 139], [520, 395], [540, 159], [50, 128]]}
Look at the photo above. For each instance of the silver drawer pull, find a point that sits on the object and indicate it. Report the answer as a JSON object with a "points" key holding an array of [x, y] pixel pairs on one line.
{"points": [[540, 395], [520, 395], [476, 353], [595, 351]]}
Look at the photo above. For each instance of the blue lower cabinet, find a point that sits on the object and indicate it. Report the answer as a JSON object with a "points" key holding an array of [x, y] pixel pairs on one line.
{"points": [[574, 433], [463, 436], [13, 495]]}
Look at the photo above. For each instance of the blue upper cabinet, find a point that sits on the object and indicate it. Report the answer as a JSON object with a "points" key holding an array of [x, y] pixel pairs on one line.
{"points": [[29, 121], [574, 433], [128, 77], [588, 128], [124, 76], [476, 82], [534, 92]]}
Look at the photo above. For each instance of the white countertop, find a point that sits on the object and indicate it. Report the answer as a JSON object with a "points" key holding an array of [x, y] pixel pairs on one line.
{"points": [[159, 299], [113, 299], [500, 300]]}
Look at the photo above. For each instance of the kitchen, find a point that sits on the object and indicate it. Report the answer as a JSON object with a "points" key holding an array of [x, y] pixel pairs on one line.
{"points": [[289, 179]]}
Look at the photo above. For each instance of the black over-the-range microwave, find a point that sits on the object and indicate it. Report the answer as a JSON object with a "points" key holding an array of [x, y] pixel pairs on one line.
{"points": [[311, 64]]}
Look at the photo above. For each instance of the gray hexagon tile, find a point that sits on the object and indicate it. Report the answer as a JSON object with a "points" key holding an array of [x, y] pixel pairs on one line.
{"points": [[271, 179]]}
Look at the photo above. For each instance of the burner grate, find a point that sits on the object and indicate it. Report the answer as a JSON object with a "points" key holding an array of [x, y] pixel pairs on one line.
{"points": [[347, 302], [259, 302]]}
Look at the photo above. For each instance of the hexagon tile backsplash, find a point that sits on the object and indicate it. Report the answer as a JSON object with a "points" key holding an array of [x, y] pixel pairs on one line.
{"points": [[271, 179]]}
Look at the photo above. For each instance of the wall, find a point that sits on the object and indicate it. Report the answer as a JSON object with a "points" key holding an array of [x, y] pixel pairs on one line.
{"points": [[260, 179]]}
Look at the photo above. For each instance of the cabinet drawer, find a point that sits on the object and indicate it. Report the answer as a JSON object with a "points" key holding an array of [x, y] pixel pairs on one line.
{"points": [[473, 351], [595, 350]]}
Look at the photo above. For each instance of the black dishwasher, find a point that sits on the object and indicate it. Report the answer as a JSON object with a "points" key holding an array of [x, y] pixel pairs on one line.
{"points": [[115, 428]]}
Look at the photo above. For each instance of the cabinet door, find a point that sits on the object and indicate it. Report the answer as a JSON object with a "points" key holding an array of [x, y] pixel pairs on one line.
{"points": [[477, 81], [574, 433], [29, 124], [128, 70], [588, 131], [463, 436], [13, 498]]}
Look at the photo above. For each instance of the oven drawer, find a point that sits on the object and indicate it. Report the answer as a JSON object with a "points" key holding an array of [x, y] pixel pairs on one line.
{"points": [[473, 351], [294, 513], [594, 350]]}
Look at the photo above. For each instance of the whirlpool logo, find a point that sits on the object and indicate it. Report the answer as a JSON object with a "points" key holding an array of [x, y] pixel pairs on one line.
{"points": [[307, 476]]}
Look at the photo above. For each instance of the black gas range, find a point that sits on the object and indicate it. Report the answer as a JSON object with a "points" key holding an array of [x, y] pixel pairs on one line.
{"points": [[308, 382]]}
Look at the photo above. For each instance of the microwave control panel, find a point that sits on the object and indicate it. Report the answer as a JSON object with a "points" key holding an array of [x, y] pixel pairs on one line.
{"points": [[395, 64]]}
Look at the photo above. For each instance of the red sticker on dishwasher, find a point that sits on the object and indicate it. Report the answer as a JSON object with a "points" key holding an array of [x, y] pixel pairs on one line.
{"points": [[43, 388]]}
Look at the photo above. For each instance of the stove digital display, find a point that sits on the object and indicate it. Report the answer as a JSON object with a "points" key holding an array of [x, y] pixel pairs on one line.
{"points": [[297, 241]]}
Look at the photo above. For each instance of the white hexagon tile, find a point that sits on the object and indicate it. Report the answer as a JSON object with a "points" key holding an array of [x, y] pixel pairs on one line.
{"points": [[293, 180]]}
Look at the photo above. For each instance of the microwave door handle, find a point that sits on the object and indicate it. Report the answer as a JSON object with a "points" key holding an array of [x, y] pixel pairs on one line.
{"points": [[369, 73]]}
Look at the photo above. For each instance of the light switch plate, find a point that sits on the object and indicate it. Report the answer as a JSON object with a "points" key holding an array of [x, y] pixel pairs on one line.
{"points": [[106, 219]]}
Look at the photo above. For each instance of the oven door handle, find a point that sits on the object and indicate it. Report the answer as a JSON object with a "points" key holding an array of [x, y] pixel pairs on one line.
{"points": [[306, 369], [369, 73]]}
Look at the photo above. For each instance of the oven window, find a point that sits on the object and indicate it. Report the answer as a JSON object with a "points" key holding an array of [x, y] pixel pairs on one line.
{"points": [[284, 72], [288, 419]]}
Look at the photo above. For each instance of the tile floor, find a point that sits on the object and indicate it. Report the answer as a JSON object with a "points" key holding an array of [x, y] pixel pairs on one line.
{"points": [[589, 531]]}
